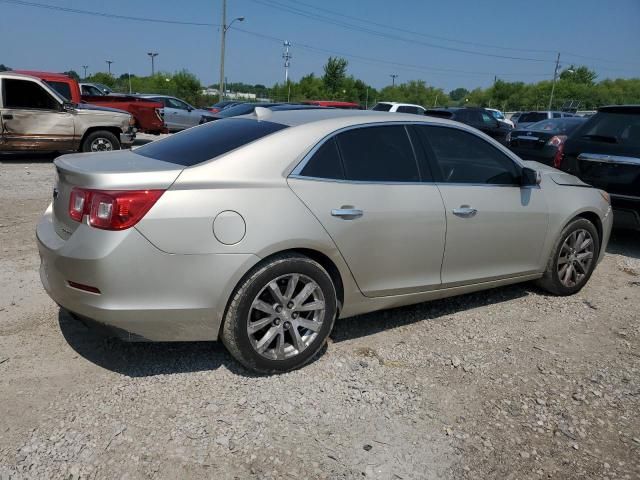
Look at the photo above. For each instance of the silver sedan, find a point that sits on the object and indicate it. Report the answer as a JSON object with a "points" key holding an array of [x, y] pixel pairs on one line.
{"points": [[262, 230]]}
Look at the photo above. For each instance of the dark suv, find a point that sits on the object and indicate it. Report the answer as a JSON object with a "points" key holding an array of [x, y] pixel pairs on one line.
{"points": [[605, 152], [479, 118]]}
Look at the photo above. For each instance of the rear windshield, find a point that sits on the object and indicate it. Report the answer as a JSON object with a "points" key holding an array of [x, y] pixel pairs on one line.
{"points": [[62, 88], [532, 117], [608, 127], [196, 145], [558, 125], [439, 113], [382, 107]]}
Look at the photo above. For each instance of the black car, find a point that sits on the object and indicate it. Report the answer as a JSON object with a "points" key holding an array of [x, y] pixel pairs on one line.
{"points": [[605, 152], [479, 118], [541, 141]]}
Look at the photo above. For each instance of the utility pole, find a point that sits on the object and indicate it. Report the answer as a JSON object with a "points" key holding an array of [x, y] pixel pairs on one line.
{"points": [[85, 70], [287, 57], [223, 32], [555, 77], [393, 79], [153, 55], [109, 62]]}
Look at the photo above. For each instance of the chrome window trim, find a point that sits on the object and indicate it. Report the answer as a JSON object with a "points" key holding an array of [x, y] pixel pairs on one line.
{"points": [[380, 182], [613, 159], [297, 170]]}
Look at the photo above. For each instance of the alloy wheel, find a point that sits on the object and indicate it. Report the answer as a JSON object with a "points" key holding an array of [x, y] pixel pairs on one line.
{"points": [[101, 145], [286, 316], [575, 258]]}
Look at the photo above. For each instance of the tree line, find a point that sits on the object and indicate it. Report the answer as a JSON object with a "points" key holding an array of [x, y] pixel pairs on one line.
{"points": [[576, 84]]}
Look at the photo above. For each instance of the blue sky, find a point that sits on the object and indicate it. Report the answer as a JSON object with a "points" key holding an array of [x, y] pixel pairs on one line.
{"points": [[530, 31]]}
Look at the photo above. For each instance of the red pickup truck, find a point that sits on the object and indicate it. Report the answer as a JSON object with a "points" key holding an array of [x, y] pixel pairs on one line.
{"points": [[148, 114]]}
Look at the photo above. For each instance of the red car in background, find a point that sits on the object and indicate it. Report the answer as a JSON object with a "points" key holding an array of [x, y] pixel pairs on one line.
{"points": [[334, 104], [147, 114]]}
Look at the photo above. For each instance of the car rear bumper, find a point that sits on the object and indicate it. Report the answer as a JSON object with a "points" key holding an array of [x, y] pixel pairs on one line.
{"points": [[626, 211], [144, 293]]}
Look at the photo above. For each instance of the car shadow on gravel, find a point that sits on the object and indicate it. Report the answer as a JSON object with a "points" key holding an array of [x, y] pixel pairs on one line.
{"points": [[625, 242], [143, 359], [372, 323], [28, 157]]}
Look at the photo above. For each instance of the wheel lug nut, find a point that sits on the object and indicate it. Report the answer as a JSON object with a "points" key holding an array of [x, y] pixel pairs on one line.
{"points": [[278, 309], [276, 322], [287, 325], [294, 315], [290, 305]]}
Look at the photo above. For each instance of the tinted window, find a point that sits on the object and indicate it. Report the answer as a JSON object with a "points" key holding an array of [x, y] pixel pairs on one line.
{"points": [[439, 113], [488, 119], [562, 125], [196, 145], [235, 110], [325, 163], [616, 128], [91, 90], [466, 158], [62, 88], [407, 109], [27, 94], [382, 107], [378, 154], [532, 117]]}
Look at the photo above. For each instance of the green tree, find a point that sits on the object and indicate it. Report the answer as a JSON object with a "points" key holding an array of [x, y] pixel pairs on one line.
{"points": [[73, 74], [4, 68], [104, 78], [335, 71], [458, 94], [579, 75]]}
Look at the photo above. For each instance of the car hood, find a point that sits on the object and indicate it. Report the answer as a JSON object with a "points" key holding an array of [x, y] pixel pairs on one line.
{"points": [[558, 176]]}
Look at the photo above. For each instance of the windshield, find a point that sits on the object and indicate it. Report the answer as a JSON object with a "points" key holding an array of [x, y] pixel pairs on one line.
{"points": [[532, 117], [382, 107], [608, 127], [560, 125], [199, 144], [497, 114]]}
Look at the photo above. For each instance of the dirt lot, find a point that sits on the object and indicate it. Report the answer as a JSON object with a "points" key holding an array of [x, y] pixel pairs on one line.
{"points": [[505, 384]]}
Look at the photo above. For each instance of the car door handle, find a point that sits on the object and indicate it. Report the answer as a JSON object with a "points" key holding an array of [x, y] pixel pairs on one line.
{"points": [[465, 211], [347, 213]]}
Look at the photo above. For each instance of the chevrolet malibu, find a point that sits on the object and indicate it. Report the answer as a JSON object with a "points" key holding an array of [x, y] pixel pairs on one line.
{"points": [[262, 230]]}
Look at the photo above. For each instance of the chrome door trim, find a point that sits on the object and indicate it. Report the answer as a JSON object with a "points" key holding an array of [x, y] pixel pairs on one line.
{"points": [[613, 159], [382, 182], [297, 170]]}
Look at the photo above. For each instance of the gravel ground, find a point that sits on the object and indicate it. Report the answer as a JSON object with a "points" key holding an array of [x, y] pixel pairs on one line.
{"points": [[506, 384]]}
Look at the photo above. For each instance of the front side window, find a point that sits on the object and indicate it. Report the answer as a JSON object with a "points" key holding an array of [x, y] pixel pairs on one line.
{"points": [[488, 119], [378, 154], [462, 157], [175, 103], [27, 94]]}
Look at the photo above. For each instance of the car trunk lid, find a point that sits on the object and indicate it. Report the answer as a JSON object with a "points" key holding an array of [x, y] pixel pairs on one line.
{"points": [[119, 170]]}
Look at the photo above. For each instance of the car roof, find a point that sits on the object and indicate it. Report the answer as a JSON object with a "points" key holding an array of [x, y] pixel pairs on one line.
{"points": [[294, 118]]}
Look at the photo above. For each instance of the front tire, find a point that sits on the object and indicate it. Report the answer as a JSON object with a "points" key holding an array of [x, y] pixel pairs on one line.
{"points": [[100, 141], [280, 315], [573, 259]]}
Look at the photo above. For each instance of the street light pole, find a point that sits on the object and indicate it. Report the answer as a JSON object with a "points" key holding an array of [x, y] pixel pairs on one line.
{"points": [[393, 79], [223, 32], [109, 62], [85, 70], [153, 55]]}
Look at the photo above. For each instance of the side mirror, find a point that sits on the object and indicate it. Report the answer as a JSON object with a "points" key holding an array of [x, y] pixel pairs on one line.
{"points": [[68, 107], [530, 177]]}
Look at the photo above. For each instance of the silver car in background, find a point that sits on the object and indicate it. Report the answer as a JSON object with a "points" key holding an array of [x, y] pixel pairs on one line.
{"points": [[262, 230], [178, 114]]}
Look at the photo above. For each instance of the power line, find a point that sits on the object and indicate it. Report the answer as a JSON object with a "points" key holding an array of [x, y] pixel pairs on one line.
{"points": [[106, 15], [351, 26]]}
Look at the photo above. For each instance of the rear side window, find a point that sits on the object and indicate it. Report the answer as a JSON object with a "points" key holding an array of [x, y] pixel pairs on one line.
{"points": [[615, 128], [196, 145], [408, 109], [325, 163], [532, 117], [462, 157], [27, 94], [378, 154], [382, 107]]}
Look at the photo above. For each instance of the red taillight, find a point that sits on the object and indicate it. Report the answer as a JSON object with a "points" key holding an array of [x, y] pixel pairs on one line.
{"points": [[557, 159], [557, 140], [111, 210]]}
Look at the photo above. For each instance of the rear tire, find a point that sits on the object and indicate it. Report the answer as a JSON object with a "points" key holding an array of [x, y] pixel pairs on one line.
{"points": [[573, 259], [280, 315], [100, 141]]}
